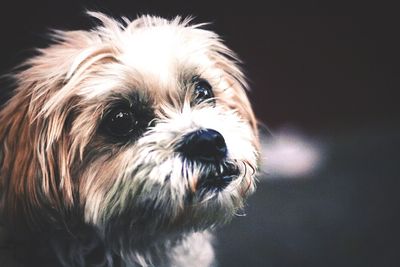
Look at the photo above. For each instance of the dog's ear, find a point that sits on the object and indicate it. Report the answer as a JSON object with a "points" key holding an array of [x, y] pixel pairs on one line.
{"points": [[34, 140], [234, 84]]}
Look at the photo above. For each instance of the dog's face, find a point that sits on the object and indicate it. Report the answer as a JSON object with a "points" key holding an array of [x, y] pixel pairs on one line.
{"points": [[145, 127]]}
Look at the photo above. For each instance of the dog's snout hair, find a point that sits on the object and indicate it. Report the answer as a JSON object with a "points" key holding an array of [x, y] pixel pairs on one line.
{"points": [[129, 141]]}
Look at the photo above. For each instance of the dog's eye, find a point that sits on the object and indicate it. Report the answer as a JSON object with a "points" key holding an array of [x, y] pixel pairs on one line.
{"points": [[120, 122], [202, 91]]}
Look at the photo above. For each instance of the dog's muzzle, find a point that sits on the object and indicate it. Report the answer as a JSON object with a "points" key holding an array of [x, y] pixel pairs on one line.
{"points": [[208, 147]]}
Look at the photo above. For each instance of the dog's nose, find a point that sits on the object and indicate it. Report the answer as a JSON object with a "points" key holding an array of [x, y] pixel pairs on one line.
{"points": [[204, 145]]}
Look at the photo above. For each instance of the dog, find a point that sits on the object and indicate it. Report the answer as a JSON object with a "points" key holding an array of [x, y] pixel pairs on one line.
{"points": [[125, 145]]}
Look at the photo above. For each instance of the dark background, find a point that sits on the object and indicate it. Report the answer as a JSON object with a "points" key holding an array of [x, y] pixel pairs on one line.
{"points": [[331, 72]]}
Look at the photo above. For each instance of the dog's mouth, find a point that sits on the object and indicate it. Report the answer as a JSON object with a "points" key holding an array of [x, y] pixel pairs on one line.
{"points": [[217, 176]]}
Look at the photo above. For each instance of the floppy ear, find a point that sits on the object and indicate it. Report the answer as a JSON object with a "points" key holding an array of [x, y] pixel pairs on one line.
{"points": [[233, 78], [238, 99], [34, 140]]}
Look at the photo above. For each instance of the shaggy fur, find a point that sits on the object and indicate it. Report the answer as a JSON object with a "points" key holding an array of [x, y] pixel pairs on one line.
{"points": [[72, 195]]}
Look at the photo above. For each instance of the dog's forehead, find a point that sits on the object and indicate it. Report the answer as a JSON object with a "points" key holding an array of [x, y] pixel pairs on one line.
{"points": [[162, 57], [162, 53]]}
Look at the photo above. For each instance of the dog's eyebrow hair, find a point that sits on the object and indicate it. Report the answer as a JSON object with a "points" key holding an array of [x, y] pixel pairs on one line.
{"points": [[130, 98]]}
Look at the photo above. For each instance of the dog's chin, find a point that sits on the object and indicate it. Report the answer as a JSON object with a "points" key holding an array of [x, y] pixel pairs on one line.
{"points": [[218, 193]]}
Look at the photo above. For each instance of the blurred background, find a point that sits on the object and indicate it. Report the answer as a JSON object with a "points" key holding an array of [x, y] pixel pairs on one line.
{"points": [[323, 83]]}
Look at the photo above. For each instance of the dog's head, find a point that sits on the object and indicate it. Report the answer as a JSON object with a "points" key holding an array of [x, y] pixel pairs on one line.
{"points": [[143, 126]]}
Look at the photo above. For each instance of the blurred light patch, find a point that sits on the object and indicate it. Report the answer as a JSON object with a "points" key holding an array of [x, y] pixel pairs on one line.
{"points": [[289, 154]]}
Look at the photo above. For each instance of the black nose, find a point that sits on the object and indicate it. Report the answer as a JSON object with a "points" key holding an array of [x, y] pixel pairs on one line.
{"points": [[205, 145]]}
